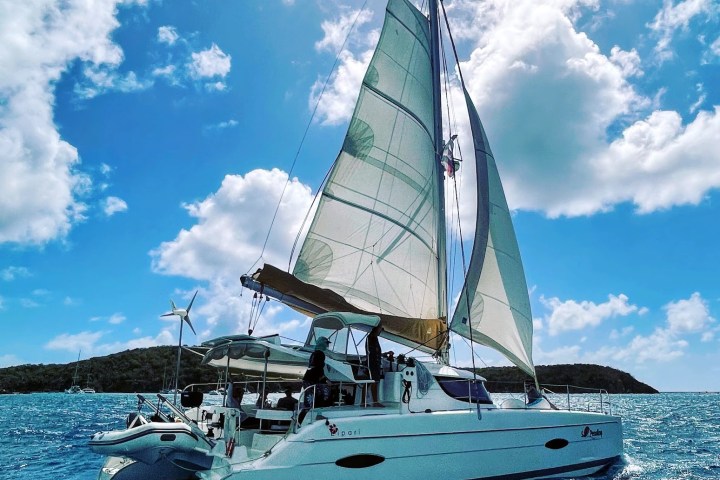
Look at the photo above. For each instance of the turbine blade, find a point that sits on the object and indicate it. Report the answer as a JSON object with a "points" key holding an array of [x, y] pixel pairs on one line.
{"points": [[187, 319], [191, 302], [167, 314], [172, 304]]}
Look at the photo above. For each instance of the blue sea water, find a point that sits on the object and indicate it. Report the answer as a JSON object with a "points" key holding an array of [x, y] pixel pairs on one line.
{"points": [[666, 436]]}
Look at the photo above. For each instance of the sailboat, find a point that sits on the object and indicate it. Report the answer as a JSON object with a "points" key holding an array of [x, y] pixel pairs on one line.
{"points": [[88, 388], [375, 255], [75, 388]]}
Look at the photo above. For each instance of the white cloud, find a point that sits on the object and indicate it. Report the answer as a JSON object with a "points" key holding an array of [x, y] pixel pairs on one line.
{"points": [[702, 96], [629, 62], [232, 224], [113, 205], [615, 334], [209, 63], [166, 71], [571, 315], [227, 240], [167, 34], [70, 302], [116, 318], [11, 273], [338, 96], [688, 316], [335, 32], [541, 81], [9, 361], [90, 345], [38, 43], [84, 341], [715, 47], [28, 303], [102, 79], [677, 17], [664, 344]]}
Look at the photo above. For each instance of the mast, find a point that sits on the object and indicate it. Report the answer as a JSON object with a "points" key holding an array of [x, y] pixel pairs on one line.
{"points": [[437, 112]]}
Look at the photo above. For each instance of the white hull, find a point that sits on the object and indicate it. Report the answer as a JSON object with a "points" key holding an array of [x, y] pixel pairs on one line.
{"points": [[447, 445]]}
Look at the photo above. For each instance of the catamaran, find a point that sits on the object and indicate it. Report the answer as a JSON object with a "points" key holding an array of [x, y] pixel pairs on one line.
{"points": [[375, 254]]}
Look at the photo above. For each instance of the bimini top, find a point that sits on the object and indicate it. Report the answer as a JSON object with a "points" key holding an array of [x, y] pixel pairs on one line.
{"points": [[340, 320]]}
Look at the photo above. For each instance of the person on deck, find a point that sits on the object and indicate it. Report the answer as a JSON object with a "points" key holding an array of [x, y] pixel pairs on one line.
{"points": [[288, 402], [315, 376], [234, 395], [374, 355]]}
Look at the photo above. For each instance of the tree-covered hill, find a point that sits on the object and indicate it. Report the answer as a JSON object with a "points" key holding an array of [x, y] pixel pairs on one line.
{"points": [[556, 377], [150, 369], [137, 370]]}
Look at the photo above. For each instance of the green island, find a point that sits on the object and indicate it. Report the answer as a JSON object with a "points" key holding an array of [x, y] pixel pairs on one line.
{"points": [[151, 369]]}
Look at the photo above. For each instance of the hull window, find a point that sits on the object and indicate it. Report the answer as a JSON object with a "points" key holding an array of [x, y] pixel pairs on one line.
{"points": [[472, 391], [360, 461], [557, 443]]}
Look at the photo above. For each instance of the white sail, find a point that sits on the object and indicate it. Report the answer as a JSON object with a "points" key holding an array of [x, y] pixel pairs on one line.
{"points": [[374, 239], [494, 306]]}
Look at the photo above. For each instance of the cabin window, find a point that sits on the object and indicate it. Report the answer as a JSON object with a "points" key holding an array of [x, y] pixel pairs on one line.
{"points": [[465, 390], [338, 338]]}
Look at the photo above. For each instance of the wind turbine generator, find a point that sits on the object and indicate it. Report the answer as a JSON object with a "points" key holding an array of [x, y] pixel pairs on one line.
{"points": [[184, 314]]}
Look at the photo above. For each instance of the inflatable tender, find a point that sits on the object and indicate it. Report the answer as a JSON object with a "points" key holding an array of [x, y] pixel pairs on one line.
{"points": [[150, 442]]}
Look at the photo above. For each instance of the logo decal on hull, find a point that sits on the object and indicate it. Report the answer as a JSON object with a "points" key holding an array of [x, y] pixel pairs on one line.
{"points": [[587, 432]]}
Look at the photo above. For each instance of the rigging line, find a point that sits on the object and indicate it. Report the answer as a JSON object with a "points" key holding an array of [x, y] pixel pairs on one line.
{"points": [[305, 133], [474, 352], [457, 200], [453, 258]]}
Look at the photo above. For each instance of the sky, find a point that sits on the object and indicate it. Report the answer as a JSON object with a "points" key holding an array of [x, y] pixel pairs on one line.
{"points": [[144, 146]]}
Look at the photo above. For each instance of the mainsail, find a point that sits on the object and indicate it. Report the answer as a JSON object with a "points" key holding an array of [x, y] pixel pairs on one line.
{"points": [[494, 306], [376, 235], [377, 241]]}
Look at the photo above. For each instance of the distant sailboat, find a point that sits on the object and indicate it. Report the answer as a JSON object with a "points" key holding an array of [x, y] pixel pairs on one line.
{"points": [[88, 388], [75, 388]]}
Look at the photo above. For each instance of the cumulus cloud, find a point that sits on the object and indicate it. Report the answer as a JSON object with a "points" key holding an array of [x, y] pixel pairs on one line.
{"points": [[113, 205], [688, 316], [663, 344], [38, 42], [572, 315], [210, 64], [541, 81], [167, 34], [336, 100], [227, 240]]}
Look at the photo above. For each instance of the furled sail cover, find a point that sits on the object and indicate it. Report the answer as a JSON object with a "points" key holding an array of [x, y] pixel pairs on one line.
{"points": [[494, 306], [374, 237]]}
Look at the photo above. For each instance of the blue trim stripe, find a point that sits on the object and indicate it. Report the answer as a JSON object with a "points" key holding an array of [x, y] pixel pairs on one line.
{"points": [[554, 471]]}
